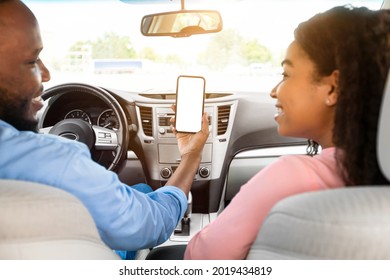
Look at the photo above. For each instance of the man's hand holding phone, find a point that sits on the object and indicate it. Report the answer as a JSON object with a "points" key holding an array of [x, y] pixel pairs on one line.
{"points": [[191, 143], [190, 148], [193, 132], [189, 114]]}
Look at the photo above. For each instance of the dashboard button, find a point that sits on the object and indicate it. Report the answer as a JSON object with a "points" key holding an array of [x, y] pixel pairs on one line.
{"points": [[166, 172], [204, 172]]}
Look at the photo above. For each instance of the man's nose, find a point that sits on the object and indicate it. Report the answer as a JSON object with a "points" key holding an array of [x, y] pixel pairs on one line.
{"points": [[45, 73]]}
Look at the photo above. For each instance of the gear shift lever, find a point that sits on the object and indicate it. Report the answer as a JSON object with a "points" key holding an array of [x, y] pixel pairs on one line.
{"points": [[183, 228], [187, 214]]}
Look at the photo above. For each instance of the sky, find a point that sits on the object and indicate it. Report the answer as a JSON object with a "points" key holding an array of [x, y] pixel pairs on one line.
{"points": [[271, 22]]}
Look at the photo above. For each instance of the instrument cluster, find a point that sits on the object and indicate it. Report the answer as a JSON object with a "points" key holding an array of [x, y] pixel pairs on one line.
{"points": [[103, 118]]}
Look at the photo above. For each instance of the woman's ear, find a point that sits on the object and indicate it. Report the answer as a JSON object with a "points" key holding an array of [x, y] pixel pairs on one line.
{"points": [[332, 84]]}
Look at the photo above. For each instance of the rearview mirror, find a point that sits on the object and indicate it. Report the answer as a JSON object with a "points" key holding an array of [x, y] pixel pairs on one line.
{"points": [[181, 23]]}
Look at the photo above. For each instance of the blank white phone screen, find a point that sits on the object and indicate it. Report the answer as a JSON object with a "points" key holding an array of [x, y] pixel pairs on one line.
{"points": [[189, 103]]}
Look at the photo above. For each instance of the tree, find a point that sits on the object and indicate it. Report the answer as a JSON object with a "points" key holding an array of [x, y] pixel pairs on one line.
{"points": [[111, 45], [254, 52], [174, 59], [229, 47], [150, 54], [223, 49]]}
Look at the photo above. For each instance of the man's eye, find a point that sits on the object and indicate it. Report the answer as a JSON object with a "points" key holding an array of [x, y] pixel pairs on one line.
{"points": [[34, 61]]}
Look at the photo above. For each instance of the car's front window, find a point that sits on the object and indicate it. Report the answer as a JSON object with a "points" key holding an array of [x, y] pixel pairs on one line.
{"points": [[100, 42]]}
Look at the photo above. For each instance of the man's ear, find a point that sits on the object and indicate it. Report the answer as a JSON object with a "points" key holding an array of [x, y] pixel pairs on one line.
{"points": [[332, 84]]}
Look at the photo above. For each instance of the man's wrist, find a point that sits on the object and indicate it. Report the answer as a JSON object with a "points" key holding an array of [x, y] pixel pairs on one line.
{"points": [[191, 157]]}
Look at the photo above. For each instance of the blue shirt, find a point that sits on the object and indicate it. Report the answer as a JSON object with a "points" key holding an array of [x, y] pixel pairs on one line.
{"points": [[126, 218]]}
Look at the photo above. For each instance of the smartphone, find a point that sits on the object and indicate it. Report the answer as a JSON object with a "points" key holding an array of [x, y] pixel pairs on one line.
{"points": [[190, 95]]}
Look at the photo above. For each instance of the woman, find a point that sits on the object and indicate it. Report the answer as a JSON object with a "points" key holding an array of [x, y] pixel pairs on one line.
{"points": [[334, 75]]}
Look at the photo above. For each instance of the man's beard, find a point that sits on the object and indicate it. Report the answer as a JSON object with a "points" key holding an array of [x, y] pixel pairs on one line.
{"points": [[14, 113]]}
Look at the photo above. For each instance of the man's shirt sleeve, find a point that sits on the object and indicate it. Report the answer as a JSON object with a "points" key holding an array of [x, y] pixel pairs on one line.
{"points": [[126, 218]]}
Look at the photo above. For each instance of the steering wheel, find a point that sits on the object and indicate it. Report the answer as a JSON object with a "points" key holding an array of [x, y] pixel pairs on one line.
{"points": [[98, 139]]}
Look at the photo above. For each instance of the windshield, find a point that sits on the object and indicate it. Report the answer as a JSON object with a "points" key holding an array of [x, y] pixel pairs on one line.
{"points": [[100, 42]]}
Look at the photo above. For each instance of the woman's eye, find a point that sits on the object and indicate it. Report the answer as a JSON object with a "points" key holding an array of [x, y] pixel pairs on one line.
{"points": [[284, 74]]}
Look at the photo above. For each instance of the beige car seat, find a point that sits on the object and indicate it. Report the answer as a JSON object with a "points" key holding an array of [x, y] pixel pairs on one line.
{"points": [[43, 222]]}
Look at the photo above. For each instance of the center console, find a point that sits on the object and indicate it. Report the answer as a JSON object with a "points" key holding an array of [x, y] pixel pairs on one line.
{"points": [[161, 154], [168, 153]]}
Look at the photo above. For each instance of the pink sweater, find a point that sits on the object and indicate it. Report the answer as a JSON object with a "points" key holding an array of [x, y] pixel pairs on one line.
{"points": [[232, 233]]}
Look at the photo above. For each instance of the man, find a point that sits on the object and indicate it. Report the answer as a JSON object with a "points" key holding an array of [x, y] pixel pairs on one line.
{"points": [[126, 219]]}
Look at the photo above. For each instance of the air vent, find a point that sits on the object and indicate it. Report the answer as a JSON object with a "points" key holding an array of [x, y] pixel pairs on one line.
{"points": [[223, 119], [147, 120]]}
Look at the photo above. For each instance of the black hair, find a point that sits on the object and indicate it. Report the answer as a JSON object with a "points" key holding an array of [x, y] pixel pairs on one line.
{"points": [[356, 42]]}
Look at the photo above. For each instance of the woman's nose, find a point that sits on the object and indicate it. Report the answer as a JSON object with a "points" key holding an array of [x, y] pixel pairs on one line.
{"points": [[273, 91]]}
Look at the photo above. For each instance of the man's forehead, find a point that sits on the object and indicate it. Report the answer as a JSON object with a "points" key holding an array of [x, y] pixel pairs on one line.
{"points": [[18, 25], [14, 12]]}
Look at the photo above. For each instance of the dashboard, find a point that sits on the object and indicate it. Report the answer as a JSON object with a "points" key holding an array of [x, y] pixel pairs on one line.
{"points": [[237, 122], [107, 117], [88, 108], [160, 147]]}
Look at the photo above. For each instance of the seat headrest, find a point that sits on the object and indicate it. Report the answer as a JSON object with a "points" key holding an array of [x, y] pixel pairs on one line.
{"points": [[339, 224], [383, 151], [42, 222]]}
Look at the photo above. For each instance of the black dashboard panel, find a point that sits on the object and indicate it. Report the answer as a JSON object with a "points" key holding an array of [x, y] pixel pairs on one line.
{"points": [[61, 105]]}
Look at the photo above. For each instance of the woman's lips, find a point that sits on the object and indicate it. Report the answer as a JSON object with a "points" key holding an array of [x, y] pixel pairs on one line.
{"points": [[279, 111]]}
